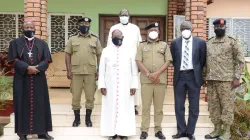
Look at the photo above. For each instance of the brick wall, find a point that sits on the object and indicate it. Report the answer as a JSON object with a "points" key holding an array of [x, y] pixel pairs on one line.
{"points": [[194, 11], [37, 11]]}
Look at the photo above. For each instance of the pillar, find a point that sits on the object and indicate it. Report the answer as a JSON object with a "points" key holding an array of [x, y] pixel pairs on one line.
{"points": [[36, 10]]}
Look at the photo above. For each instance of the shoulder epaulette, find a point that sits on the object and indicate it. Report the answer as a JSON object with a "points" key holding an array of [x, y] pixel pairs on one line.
{"points": [[94, 35], [143, 41], [232, 37], [210, 38]]}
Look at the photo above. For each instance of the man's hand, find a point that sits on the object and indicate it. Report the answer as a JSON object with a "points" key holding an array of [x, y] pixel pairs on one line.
{"points": [[32, 70], [236, 83], [154, 76], [156, 81], [104, 91], [96, 76], [132, 91], [69, 75]]}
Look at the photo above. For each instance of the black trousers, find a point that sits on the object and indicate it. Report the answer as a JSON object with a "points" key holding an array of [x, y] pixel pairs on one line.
{"points": [[186, 83]]}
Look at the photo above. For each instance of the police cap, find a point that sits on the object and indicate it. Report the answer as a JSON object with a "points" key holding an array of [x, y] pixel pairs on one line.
{"points": [[220, 21], [84, 19], [152, 25]]}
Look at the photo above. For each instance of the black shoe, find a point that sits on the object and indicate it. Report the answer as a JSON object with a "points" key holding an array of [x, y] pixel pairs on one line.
{"points": [[210, 137], [136, 112], [77, 120], [123, 137], [144, 135], [179, 135], [87, 118], [45, 136], [160, 135], [22, 137], [191, 137], [112, 137]]}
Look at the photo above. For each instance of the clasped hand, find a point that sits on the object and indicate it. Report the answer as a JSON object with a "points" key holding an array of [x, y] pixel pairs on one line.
{"points": [[33, 70], [154, 77]]}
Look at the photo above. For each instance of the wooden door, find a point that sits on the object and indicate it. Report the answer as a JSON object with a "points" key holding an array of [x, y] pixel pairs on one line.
{"points": [[106, 22], [142, 22]]}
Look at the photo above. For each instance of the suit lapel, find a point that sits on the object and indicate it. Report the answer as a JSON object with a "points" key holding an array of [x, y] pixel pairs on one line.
{"points": [[194, 45], [179, 45]]}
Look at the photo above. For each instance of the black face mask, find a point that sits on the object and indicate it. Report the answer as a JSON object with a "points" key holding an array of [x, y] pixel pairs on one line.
{"points": [[117, 41], [220, 32], [29, 33], [84, 29]]}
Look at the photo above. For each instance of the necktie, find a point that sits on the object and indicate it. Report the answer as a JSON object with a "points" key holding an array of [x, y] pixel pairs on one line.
{"points": [[186, 55]]}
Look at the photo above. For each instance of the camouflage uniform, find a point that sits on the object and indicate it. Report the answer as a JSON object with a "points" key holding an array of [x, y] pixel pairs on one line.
{"points": [[224, 63]]}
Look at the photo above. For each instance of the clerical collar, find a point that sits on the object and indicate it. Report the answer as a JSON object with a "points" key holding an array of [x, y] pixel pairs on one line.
{"points": [[29, 39], [125, 24]]}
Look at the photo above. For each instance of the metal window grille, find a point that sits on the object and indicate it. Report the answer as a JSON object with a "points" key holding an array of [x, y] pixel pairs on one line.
{"points": [[10, 28], [60, 28]]}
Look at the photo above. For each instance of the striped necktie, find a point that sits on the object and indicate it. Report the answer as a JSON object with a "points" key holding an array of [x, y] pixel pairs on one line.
{"points": [[186, 55]]}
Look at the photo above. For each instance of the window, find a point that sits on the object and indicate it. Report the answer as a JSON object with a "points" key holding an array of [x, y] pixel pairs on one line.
{"points": [[60, 28], [178, 20], [10, 28], [238, 28]]}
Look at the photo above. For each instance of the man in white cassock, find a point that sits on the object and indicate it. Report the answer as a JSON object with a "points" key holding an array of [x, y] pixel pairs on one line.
{"points": [[132, 37], [118, 81]]}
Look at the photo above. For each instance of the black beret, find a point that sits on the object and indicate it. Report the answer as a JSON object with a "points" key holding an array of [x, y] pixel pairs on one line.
{"points": [[220, 21], [84, 19], [152, 25]]}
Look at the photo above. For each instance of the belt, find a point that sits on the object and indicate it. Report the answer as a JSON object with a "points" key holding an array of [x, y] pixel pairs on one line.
{"points": [[187, 71]]}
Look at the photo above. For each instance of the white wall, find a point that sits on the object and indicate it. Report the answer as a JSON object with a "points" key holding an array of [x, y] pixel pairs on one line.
{"points": [[229, 8]]}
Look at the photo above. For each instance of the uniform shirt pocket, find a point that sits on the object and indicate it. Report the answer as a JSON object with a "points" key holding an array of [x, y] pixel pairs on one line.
{"points": [[75, 46]]}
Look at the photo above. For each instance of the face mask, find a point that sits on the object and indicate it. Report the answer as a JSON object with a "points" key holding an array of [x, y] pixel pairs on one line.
{"points": [[84, 29], [29, 33], [117, 41], [124, 19], [220, 32], [153, 35], [186, 34]]}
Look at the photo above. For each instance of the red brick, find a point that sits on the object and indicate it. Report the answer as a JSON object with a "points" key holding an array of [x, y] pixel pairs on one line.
{"points": [[44, 6], [194, 17], [33, 9], [35, 1], [44, 2], [37, 14], [37, 28], [194, 8], [43, 11], [30, 14], [197, 21], [38, 23], [43, 37], [29, 5], [44, 15], [43, 20], [198, 30], [197, 4], [43, 29], [44, 33]]}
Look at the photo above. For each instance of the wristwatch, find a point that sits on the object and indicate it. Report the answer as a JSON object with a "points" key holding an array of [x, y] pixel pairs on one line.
{"points": [[148, 73]]}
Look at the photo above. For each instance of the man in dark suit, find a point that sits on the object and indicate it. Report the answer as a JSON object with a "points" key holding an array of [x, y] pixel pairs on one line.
{"points": [[189, 58]]}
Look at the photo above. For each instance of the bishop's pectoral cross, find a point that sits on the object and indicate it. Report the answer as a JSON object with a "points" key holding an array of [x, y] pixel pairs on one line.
{"points": [[30, 54]]}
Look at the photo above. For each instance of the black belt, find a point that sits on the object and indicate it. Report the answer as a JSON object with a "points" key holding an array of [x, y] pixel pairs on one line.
{"points": [[187, 71]]}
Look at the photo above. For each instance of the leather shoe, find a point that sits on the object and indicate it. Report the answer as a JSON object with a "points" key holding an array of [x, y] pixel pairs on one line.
{"points": [[45, 136], [113, 137], [179, 135], [123, 137], [191, 137], [144, 135], [22, 138], [160, 135]]}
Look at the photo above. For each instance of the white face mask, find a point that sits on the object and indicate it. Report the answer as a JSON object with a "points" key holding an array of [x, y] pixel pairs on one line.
{"points": [[186, 33], [124, 19], [153, 35]]}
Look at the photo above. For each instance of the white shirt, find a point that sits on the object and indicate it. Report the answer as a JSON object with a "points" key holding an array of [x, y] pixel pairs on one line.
{"points": [[190, 56]]}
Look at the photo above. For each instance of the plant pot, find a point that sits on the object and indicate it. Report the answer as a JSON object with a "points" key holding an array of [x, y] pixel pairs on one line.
{"points": [[7, 109]]}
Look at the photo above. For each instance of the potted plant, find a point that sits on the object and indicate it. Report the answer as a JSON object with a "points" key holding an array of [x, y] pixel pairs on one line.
{"points": [[6, 102], [240, 129]]}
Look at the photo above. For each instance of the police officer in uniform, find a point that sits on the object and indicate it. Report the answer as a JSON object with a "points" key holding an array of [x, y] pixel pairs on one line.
{"points": [[225, 63], [82, 58], [153, 58]]}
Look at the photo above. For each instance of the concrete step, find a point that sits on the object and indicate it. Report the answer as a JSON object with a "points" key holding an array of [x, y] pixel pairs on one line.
{"points": [[168, 117], [94, 138], [166, 107], [65, 129]]}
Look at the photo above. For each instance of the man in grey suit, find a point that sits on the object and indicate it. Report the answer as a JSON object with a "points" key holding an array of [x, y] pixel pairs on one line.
{"points": [[189, 58]]}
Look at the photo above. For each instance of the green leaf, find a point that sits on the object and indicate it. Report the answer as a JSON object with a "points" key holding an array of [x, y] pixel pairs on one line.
{"points": [[247, 97]]}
